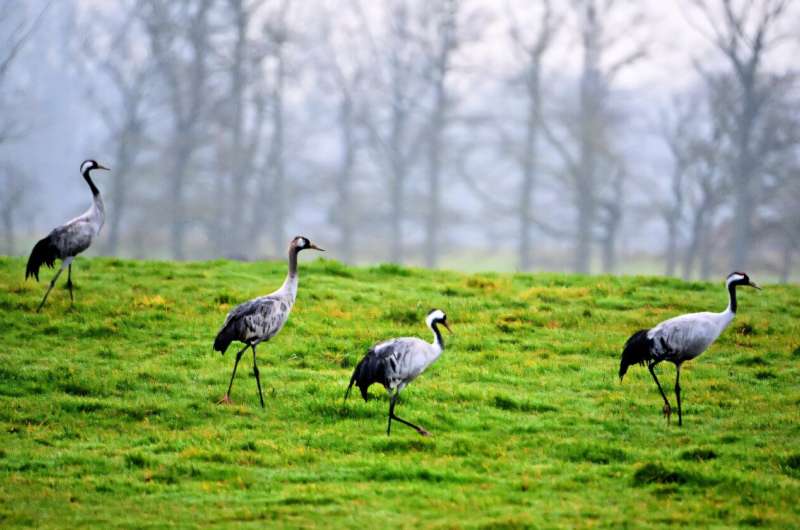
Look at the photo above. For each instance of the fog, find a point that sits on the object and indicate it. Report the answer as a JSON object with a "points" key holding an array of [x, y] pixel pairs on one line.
{"points": [[593, 136]]}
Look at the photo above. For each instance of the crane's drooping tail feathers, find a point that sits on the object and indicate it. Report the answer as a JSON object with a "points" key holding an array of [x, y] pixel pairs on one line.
{"points": [[44, 252], [637, 350], [369, 370], [224, 339]]}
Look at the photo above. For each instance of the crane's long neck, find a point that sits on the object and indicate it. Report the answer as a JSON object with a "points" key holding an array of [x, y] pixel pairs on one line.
{"points": [[438, 343], [90, 182], [97, 199], [290, 283], [726, 317], [731, 299]]}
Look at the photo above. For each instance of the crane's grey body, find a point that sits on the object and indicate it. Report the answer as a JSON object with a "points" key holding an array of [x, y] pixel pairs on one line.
{"points": [[70, 239], [76, 235], [396, 362], [685, 337], [680, 339], [405, 359], [260, 319]]}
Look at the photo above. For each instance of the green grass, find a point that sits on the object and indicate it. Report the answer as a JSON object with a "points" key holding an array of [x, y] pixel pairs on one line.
{"points": [[108, 411]]}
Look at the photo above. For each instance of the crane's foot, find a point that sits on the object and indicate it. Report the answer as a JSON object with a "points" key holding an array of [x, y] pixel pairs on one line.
{"points": [[423, 432], [226, 400], [667, 410]]}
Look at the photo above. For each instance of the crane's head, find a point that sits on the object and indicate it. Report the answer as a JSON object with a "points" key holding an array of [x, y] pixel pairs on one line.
{"points": [[437, 316], [303, 243], [89, 165], [740, 278]]}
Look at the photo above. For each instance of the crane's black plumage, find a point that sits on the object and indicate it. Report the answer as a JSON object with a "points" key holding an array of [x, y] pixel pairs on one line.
{"points": [[373, 368], [637, 351], [224, 338], [43, 253]]}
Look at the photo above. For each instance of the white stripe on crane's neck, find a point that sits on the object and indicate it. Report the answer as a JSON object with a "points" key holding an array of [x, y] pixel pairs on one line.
{"points": [[734, 277], [431, 320]]}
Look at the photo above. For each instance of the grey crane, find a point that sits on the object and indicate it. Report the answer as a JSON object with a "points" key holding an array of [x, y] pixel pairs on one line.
{"points": [[396, 362], [260, 319], [680, 339], [70, 239]]}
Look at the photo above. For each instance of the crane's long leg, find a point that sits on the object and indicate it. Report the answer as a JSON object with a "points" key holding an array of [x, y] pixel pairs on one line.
{"points": [[678, 392], [69, 283], [667, 408], [227, 397], [52, 284], [392, 416], [258, 379]]}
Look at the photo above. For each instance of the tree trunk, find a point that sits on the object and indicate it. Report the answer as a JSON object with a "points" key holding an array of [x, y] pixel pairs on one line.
{"points": [[529, 161], [237, 160], [8, 226], [786, 262], [127, 145], [706, 249], [119, 191], [586, 216], [744, 204], [176, 198], [434, 167], [344, 214], [698, 223], [397, 200], [589, 108], [279, 198], [674, 215], [398, 164], [672, 246], [609, 252]]}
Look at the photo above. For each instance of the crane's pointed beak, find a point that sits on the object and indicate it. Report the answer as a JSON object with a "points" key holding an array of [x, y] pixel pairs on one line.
{"points": [[445, 324], [315, 247], [753, 284], [102, 167]]}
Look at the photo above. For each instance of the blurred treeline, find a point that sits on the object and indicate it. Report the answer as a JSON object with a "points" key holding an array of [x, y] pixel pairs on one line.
{"points": [[583, 135]]}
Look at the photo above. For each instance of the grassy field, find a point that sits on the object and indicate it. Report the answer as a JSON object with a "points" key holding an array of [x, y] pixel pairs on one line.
{"points": [[109, 414]]}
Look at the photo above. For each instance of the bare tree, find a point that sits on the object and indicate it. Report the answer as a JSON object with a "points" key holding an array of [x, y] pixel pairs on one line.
{"points": [[178, 35], [445, 19], [123, 114], [675, 129], [344, 70], [591, 125], [15, 186], [705, 151], [533, 51], [271, 188], [240, 121], [610, 207], [745, 33], [790, 225], [389, 116], [16, 29]]}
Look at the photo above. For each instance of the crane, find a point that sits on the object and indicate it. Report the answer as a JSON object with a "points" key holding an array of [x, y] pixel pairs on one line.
{"points": [[260, 319], [396, 362], [680, 339], [70, 239]]}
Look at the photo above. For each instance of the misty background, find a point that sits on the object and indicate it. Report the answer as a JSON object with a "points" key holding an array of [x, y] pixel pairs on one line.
{"points": [[586, 135]]}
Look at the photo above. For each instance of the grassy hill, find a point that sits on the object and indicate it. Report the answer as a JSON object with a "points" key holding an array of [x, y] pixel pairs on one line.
{"points": [[109, 414]]}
